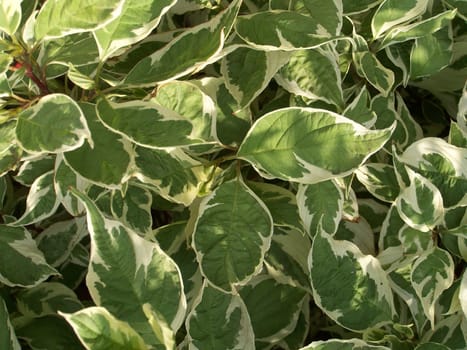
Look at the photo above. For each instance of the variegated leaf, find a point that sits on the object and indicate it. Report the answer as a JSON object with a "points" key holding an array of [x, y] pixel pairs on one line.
{"points": [[231, 235], [8, 340], [22, 263], [359, 111], [320, 206], [285, 143], [365, 297], [450, 331], [10, 17], [380, 180], [463, 293], [121, 263], [34, 167], [339, 344], [358, 6], [63, 17], [98, 329], [9, 150], [219, 320], [55, 124], [432, 273], [191, 51], [135, 21]]}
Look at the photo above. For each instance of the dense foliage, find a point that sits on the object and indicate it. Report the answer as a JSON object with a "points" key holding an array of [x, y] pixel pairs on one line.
{"points": [[208, 174]]}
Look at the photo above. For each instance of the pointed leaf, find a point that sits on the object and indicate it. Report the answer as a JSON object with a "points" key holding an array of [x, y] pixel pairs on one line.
{"points": [[55, 124], [432, 273], [463, 293], [232, 234], [10, 16], [365, 297], [9, 151], [281, 30], [32, 168], [359, 110], [22, 263], [133, 261], [380, 180], [187, 53], [338, 344], [219, 320], [284, 144], [135, 21], [320, 206], [63, 17], [98, 329]]}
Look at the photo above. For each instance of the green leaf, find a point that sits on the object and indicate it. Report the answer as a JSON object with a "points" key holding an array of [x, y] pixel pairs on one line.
{"points": [[163, 127], [190, 102], [136, 20], [247, 72], [22, 263], [189, 52], [281, 30], [463, 293], [358, 6], [173, 174], [98, 329], [133, 261], [420, 204], [284, 144], [55, 124], [133, 208], [274, 307], [359, 111], [9, 151], [432, 273], [106, 161], [450, 331], [63, 17], [365, 297], [47, 299], [219, 320], [41, 203], [8, 340], [418, 29], [328, 14], [161, 329], [34, 167], [394, 12], [320, 206], [232, 234], [10, 16], [58, 240], [431, 346], [313, 74], [380, 180]]}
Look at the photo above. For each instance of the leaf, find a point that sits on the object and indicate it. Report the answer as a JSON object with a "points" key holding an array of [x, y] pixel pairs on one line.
{"points": [[98, 329], [107, 160], [443, 164], [418, 29], [173, 174], [359, 111], [8, 340], [231, 235], [133, 209], [161, 329], [328, 14], [10, 16], [120, 267], [64, 17], [358, 6], [282, 302], [189, 52], [190, 102], [32, 168], [41, 203], [163, 127], [380, 180], [281, 30], [394, 12], [219, 320], [431, 346], [365, 298], [58, 240], [22, 263], [463, 293], [247, 72], [320, 206], [136, 20], [450, 331], [47, 299], [55, 124], [420, 204], [284, 144], [313, 74], [59, 335], [9, 151], [432, 273], [338, 344]]}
